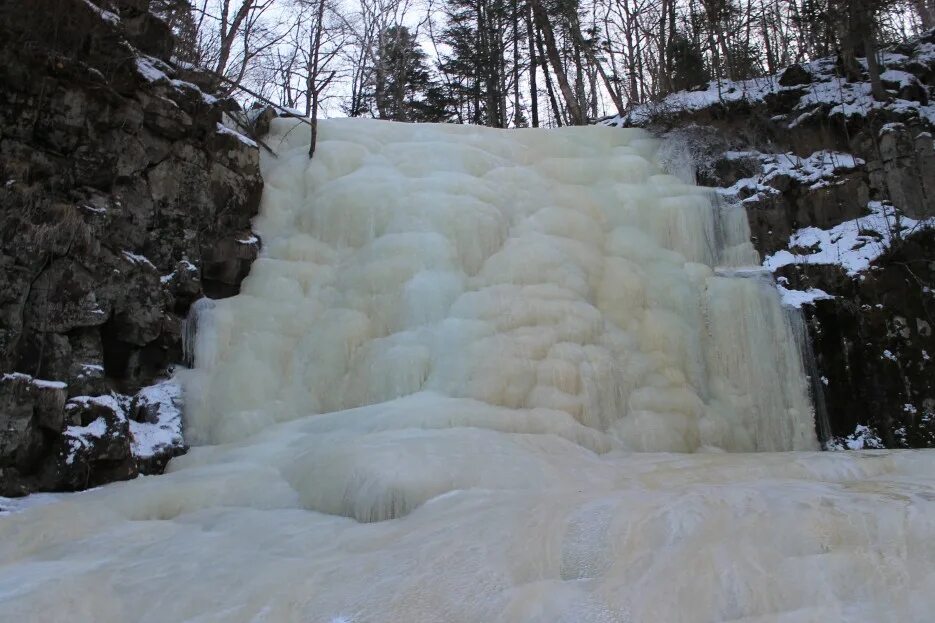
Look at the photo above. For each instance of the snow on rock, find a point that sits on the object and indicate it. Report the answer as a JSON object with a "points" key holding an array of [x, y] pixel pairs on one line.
{"points": [[815, 171], [206, 97], [223, 129], [863, 438], [797, 298], [716, 92], [161, 407], [19, 376], [183, 265], [827, 92], [853, 244], [104, 14], [147, 67], [135, 258], [896, 76], [144, 427], [49, 384], [80, 438], [90, 371], [102, 438]]}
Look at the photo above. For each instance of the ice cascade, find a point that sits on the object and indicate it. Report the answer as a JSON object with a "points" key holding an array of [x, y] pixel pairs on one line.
{"points": [[557, 274]]}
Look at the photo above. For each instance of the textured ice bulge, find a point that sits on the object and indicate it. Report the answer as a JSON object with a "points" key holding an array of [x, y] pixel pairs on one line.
{"points": [[558, 274], [485, 376]]}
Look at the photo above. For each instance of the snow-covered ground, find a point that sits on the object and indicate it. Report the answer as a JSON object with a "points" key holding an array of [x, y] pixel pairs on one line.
{"points": [[827, 93]]}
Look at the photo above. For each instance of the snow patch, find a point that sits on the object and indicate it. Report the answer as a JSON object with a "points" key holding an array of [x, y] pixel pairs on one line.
{"points": [[223, 129], [896, 76], [182, 84], [797, 298], [105, 15], [853, 245], [827, 92], [147, 68], [162, 403], [863, 438], [138, 259], [26, 378], [81, 437], [815, 171]]}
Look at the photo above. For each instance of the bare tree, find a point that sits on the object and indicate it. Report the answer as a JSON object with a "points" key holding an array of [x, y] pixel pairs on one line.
{"points": [[541, 18]]}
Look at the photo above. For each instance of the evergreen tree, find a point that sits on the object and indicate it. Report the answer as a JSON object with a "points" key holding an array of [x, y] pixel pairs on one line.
{"points": [[688, 64], [178, 14], [477, 34], [403, 86]]}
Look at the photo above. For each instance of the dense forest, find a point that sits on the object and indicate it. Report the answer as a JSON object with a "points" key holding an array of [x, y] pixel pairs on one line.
{"points": [[514, 63]]}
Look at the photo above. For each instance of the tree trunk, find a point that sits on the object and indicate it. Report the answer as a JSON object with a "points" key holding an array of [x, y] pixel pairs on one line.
{"points": [[571, 103], [589, 53], [229, 32], [665, 79], [533, 87], [313, 77], [873, 66], [925, 9], [517, 106], [556, 110]]}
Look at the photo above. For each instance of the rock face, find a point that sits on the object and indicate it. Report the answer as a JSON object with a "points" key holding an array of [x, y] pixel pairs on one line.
{"points": [[840, 193], [123, 199]]}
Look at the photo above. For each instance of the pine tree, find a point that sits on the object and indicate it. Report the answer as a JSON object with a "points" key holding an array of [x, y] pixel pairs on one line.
{"points": [[404, 88], [688, 65], [478, 34]]}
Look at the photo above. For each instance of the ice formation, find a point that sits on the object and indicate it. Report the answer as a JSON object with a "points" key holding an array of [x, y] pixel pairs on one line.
{"points": [[489, 376], [559, 274]]}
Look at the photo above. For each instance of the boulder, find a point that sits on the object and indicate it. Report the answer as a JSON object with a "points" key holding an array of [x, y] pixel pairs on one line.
{"points": [[95, 447], [31, 413], [794, 75], [905, 169]]}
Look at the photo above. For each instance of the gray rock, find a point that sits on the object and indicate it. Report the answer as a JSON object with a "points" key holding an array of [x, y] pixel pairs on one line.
{"points": [[794, 75], [905, 169], [119, 189], [65, 296], [31, 411]]}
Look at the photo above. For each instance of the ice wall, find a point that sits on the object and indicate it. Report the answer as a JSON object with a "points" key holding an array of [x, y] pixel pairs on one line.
{"points": [[508, 313], [558, 271]]}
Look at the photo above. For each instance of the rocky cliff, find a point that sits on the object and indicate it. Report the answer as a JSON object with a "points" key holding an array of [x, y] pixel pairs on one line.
{"points": [[123, 199], [838, 188]]}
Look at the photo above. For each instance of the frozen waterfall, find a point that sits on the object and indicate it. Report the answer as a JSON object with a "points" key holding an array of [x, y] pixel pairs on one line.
{"points": [[557, 274], [490, 376]]}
